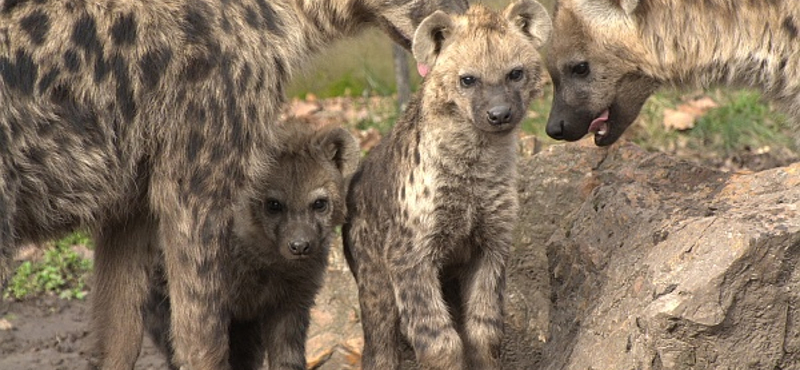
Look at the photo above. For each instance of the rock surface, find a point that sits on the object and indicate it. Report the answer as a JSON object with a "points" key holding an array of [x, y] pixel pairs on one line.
{"points": [[654, 263]]}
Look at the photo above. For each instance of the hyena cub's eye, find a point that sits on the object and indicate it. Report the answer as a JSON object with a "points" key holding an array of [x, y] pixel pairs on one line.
{"points": [[581, 69], [467, 81], [516, 74], [320, 205], [273, 206]]}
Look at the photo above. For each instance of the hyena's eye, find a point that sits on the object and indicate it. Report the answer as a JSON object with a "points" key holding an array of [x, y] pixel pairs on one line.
{"points": [[320, 205], [273, 206], [516, 74], [467, 81], [581, 69]]}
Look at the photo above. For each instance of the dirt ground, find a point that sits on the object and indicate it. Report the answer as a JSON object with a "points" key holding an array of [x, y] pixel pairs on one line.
{"points": [[52, 333]]}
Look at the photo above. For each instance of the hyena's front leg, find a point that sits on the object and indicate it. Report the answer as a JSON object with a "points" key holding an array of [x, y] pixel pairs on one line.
{"points": [[124, 257], [286, 343], [194, 243], [482, 291], [424, 316], [247, 344]]}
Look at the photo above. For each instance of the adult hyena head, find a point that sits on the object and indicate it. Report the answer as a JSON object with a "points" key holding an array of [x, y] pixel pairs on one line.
{"points": [[295, 205], [483, 64], [596, 66]]}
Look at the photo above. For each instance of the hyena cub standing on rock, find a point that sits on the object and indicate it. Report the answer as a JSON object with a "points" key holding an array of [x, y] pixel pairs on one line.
{"points": [[283, 228], [609, 56], [433, 207]]}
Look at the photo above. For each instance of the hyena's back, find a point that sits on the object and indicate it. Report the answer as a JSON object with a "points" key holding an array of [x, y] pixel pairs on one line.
{"points": [[88, 88]]}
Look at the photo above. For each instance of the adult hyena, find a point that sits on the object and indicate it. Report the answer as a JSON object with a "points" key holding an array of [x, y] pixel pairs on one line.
{"points": [[144, 120], [282, 230], [609, 56], [433, 206]]}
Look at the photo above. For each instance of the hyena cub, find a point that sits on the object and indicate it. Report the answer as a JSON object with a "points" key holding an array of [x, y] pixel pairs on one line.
{"points": [[282, 229], [433, 206]]}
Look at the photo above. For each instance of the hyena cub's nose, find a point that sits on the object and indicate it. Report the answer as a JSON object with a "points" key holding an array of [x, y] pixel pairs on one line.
{"points": [[299, 247], [499, 115]]}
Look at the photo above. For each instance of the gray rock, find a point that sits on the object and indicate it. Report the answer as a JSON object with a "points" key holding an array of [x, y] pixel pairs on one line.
{"points": [[653, 263]]}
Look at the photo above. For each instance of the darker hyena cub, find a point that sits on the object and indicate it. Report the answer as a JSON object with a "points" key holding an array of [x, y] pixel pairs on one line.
{"points": [[433, 207], [282, 232]]}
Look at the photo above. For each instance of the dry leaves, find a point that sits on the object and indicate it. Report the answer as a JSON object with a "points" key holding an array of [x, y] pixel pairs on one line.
{"points": [[684, 117]]}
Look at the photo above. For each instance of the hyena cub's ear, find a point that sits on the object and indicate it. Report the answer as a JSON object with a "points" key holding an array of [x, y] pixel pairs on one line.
{"points": [[341, 147], [429, 39], [628, 6], [531, 18]]}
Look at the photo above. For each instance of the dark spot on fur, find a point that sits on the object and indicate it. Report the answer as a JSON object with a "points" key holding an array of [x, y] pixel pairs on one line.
{"points": [[72, 61], [271, 20], [84, 35], [101, 69], [19, 74], [196, 26], [196, 142], [198, 69], [411, 177], [790, 26], [9, 5], [123, 32], [153, 65], [47, 80], [281, 75], [36, 25], [244, 77], [124, 92], [251, 17]]}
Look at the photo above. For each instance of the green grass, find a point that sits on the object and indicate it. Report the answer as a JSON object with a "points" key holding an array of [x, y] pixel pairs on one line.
{"points": [[60, 272]]}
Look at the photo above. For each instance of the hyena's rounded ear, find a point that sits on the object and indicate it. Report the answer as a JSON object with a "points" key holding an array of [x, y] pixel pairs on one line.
{"points": [[430, 37], [628, 6], [531, 19], [339, 146]]}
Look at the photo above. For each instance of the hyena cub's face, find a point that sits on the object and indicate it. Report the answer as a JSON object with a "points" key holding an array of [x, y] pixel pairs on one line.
{"points": [[296, 205], [484, 63], [596, 67]]}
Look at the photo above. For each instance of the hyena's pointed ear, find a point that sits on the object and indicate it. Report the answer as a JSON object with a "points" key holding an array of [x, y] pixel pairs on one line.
{"points": [[341, 147], [531, 18], [430, 37]]}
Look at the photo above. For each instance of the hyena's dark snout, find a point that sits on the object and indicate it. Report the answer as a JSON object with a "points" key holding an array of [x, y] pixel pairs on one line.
{"points": [[499, 114], [300, 247]]}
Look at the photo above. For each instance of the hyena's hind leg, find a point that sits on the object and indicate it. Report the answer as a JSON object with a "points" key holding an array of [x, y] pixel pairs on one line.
{"points": [[8, 246], [125, 255], [157, 316]]}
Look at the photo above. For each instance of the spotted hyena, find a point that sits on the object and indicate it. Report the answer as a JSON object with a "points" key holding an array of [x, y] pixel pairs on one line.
{"points": [[282, 229], [433, 206], [608, 56], [143, 121]]}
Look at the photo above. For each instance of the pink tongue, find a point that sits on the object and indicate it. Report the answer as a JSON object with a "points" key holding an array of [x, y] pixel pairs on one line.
{"points": [[599, 122], [422, 69]]}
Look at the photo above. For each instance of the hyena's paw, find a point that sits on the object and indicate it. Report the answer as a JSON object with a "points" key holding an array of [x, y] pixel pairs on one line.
{"points": [[440, 351]]}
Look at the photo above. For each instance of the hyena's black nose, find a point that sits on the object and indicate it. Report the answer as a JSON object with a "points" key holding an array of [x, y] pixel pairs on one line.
{"points": [[499, 115], [299, 247], [555, 130]]}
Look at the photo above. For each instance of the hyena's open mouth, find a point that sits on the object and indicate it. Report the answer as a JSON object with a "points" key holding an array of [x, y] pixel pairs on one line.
{"points": [[600, 126]]}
